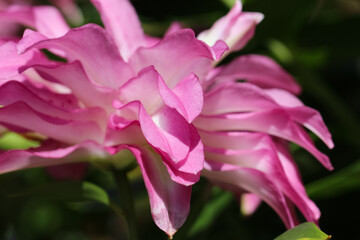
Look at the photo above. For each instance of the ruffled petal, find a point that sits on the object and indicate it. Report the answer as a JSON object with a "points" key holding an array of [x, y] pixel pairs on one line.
{"points": [[178, 49], [178, 141], [12, 62], [236, 28], [239, 140], [172, 136], [121, 21], [283, 97], [50, 154], [172, 127], [312, 120], [187, 171], [259, 70], [220, 28], [19, 114], [276, 122], [245, 97], [135, 89], [236, 97], [253, 181], [65, 101], [297, 191], [73, 76], [169, 201], [13, 92], [219, 49], [119, 133], [186, 97], [265, 157], [45, 19], [87, 44]]}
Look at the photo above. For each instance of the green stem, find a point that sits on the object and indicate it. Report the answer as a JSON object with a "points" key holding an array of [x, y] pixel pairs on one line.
{"points": [[126, 202]]}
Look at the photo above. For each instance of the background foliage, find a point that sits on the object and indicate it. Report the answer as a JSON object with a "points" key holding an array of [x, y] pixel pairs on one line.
{"points": [[315, 40]]}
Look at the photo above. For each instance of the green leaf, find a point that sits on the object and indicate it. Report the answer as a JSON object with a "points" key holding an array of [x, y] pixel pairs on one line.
{"points": [[345, 180], [305, 231], [67, 191]]}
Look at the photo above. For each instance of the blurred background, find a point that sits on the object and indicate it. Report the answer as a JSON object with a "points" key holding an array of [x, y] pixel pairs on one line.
{"points": [[317, 41]]}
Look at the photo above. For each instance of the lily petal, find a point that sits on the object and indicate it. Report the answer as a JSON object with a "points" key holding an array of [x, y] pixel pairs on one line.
{"points": [[236, 28], [19, 114], [45, 19], [13, 92], [249, 203], [169, 201], [121, 21], [265, 157], [253, 181], [110, 72], [180, 48], [234, 97], [276, 122], [186, 97], [259, 70], [50, 154], [11, 61], [173, 137], [239, 140], [74, 77], [149, 97], [283, 97], [246, 97], [65, 101], [312, 120], [298, 194]]}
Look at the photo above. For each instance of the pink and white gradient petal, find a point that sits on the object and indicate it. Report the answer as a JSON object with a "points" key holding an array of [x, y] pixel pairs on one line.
{"points": [[121, 21], [249, 203], [73, 76], [173, 138], [235, 29], [51, 153], [12, 62], [251, 180], [110, 72], [180, 48], [21, 115], [276, 122], [169, 200], [46, 20], [256, 69]]}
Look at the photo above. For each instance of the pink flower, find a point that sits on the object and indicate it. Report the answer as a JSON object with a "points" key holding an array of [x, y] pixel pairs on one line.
{"points": [[164, 101]]}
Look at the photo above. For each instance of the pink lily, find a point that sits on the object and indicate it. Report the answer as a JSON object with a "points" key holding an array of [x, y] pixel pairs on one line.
{"points": [[142, 95]]}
